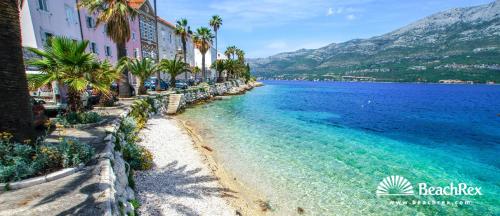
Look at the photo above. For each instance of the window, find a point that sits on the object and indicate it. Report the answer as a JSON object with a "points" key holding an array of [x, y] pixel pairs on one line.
{"points": [[133, 35], [42, 5], [93, 47], [90, 22], [163, 35], [46, 36], [136, 53], [107, 50], [70, 15], [147, 29]]}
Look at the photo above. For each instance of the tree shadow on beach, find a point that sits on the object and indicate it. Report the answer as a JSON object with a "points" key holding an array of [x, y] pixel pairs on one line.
{"points": [[179, 181]]}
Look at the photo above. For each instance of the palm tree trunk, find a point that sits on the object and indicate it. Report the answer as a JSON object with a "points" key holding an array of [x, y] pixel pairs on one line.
{"points": [[216, 55], [74, 101], [124, 85], [185, 58], [172, 81], [203, 73], [16, 115], [142, 89]]}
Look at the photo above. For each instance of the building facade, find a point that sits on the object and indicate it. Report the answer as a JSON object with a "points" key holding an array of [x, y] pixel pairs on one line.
{"points": [[147, 28], [43, 19], [99, 42]]}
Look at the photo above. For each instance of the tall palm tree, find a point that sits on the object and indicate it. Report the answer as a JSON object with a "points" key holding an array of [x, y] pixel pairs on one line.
{"points": [[202, 39], [65, 61], [195, 70], [173, 68], [216, 23], [183, 30], [141, 68], [230, 52], [116, 15], [15, 109], [241, 55], [219, 67], [232, 67]]}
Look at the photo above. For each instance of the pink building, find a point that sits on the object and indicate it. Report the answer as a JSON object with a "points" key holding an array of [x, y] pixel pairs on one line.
{"points": [[134, 44], [99, 43]]}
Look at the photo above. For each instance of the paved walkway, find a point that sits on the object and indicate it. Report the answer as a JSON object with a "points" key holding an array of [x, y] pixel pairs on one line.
{"points": [[77, 194], [180, 182]]}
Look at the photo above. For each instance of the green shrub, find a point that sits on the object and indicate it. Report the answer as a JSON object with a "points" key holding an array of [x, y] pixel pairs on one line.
{"points": [[74, 152], [20, 161], [73, 118], [151, 102], [137, 156], [128, 126], [140, 112]]}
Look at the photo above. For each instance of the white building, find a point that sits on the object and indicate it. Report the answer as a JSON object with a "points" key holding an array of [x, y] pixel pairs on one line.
{"points": [[170, 45], [210, 58]]}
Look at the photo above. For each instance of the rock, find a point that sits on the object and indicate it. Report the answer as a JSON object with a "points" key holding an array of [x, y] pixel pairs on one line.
{"points": [[208, 148], [300, 210]]}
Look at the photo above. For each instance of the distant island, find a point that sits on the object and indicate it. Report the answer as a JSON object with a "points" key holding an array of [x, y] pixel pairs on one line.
{"points": [[454, 46]]}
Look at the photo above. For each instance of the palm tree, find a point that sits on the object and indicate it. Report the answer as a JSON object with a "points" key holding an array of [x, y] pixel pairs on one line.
{"points": [[173, 68], [230, 52], [15, 109], [183, 30], [65, 61], [195, 70], [116, 15], [241, 55], [141, 68], [216, 23], [202, 39], [219, 67], [232, 67]]}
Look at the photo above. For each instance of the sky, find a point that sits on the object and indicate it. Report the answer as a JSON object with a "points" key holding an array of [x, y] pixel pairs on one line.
{"points": [[266, 27]]}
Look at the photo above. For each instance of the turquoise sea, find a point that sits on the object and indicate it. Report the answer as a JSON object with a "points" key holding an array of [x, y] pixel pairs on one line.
{"points": [[325, 147]]}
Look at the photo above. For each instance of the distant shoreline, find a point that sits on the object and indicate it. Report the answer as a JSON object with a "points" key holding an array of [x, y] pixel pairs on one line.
{"points": [[335, 81]]}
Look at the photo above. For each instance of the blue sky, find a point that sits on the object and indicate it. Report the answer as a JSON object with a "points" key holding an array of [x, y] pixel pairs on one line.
{"points": [[266, 27]]}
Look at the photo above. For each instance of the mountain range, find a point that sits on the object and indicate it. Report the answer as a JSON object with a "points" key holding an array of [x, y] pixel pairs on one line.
{"points": [[457, 44]]}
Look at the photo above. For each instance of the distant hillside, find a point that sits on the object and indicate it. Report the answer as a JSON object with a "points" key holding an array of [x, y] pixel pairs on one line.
{"points": [[461, 43]]}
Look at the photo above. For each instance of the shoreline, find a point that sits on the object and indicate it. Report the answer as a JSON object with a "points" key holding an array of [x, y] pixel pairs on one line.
{"points": [[248, 201]]}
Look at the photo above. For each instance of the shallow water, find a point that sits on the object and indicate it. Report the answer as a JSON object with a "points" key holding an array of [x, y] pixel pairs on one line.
{"points": [[325, 147]]}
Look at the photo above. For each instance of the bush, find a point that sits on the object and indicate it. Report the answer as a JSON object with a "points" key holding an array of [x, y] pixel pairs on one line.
{"points": [[20, 161], [74, 152], [137, 156], [73, 118], [152, 104], [140, 112]]}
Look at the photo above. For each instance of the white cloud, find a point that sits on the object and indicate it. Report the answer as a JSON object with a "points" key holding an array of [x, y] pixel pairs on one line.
{"points": [[249, 14], [330, 12], [351, 17]]}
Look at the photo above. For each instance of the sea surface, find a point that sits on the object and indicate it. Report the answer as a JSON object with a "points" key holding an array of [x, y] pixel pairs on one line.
{"points": [[325, 147]]}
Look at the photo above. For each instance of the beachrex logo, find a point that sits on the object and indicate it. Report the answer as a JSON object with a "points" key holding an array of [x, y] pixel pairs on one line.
{"points": [[394, 186], [400, 186]]}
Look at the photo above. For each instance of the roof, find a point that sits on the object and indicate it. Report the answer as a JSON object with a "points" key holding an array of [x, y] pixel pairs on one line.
{"points": [[166, 22], [136, 4]]}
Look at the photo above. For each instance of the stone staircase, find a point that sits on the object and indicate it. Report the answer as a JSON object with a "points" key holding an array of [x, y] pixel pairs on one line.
{"points": [[174, 102]]}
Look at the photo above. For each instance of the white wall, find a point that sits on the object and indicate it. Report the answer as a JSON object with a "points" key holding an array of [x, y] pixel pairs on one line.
{"points": [[35, 22]]}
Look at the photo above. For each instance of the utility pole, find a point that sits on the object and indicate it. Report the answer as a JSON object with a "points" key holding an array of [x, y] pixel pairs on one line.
{"points": [[158, 78]]}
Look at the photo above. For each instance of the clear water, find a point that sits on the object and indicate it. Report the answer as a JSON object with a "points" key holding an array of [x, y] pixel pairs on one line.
{"points": [[325, 147]]}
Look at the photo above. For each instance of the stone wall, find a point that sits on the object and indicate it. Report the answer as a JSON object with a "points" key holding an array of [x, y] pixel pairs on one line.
{"points": [[115, 170], [233, 87]]}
